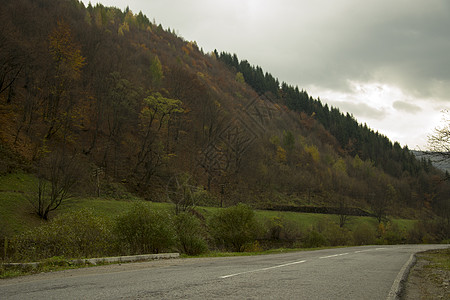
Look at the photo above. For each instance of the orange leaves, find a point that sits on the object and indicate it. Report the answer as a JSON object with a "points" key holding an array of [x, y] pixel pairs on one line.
{"points": [[66, 53]]}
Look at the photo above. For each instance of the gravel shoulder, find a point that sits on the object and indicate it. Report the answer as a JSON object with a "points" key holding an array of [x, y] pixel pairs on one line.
{"points": [[429, 278]]}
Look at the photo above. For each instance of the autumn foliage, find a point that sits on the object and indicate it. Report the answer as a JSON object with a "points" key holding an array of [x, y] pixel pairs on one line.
{"points": [[134, 100]]}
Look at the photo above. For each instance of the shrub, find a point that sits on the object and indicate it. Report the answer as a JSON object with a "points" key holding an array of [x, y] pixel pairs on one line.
{"points": [[337, 236], [334, 235], [314, 239], [73, 235], [394, 234], [190, 234], [279, 228], [142, 230], [364, 234], [234, 227]]}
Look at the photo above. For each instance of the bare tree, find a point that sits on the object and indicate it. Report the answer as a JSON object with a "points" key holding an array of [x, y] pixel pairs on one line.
{"points": [[439, 141], [180, 191], [57, 175], [343, 210]]}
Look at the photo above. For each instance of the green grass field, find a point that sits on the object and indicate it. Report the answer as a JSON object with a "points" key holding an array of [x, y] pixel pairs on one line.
{"points": [[16, 213]]}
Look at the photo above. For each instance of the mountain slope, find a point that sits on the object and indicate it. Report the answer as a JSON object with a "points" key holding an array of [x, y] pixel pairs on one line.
{"points": [[131, 102]]}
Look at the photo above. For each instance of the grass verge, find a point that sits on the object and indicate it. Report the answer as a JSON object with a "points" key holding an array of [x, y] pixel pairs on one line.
{"points": [[430, 277]]}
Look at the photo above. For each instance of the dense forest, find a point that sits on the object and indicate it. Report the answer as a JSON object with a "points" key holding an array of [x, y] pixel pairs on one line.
{"points": [[101, 96]]}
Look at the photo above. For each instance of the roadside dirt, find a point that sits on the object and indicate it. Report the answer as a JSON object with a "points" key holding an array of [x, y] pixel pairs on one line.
{"points": [[426, 281]]}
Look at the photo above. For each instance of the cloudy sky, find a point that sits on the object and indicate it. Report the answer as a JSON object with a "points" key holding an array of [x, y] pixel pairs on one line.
{"points": [[386, 62]]}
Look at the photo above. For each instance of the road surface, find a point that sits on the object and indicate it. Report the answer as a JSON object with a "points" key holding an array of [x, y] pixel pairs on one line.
{"points": [[370, 272]]}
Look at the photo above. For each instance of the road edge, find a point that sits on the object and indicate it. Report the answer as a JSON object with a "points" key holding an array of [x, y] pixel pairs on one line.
{"points": [[95, 261], [399, 282]]}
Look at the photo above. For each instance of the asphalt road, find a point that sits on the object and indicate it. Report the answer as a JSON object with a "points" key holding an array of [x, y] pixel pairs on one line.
{"points": [[370, 272]]}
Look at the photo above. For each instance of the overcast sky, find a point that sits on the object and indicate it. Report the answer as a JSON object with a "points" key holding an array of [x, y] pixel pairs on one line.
{"points": [[386, 62]]}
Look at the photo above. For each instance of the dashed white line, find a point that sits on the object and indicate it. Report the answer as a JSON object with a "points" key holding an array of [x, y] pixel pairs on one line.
{"points": [[264, 269], [329, 256], [293, 263], [360, 251]]}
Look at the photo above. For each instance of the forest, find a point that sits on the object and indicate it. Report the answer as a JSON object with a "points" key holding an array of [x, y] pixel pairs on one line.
{"points": [[95, 98]]}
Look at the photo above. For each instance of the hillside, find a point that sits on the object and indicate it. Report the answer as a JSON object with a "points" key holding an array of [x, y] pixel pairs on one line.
{"points": [[435, 159], [107, 97]]}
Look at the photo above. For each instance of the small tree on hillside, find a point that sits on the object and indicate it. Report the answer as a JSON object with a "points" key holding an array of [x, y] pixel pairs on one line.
{"points": [[382, 201], [57, 175]]}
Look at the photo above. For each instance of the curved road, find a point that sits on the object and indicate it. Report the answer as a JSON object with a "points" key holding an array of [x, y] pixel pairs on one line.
{"points": [[370, 272]]}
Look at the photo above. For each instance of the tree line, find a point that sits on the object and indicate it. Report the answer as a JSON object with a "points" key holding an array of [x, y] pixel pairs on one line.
{"points": [[353, 138]]}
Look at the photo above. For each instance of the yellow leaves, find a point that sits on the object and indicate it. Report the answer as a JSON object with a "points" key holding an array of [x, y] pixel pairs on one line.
{"points": [[160, 109], [313, 152], [130, 19], [185, 50], [340, 166], [281, 155], [201, 75], [123, 28], [274, 140], [240, 78], [156, 71], [66, 53], [357, 162]]}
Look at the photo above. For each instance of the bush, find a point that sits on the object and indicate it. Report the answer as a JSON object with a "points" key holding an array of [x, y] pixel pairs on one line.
{"points": [[337, 236], [394, 234], [234, 227], [435, 230], [73, 235], [364, 234], [314, 240], [190, 234], [142, 230], [334, 235], [281, 229]]}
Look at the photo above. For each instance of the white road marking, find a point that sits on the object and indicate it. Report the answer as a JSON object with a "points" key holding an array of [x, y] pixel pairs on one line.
{"points": [[293, 263], [263, 269], [363, 251], [396, 287], [329, 256]]}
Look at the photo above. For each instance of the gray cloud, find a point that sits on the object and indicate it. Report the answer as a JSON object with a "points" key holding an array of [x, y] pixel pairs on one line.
{"points": [[406, 107], [360, 109]]}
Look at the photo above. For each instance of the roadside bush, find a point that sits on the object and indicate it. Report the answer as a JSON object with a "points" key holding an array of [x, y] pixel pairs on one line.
{"points": [[5, 236], [142, 230], [429, 231], [333, 233], [278, 228], [234, 227], [190, 234], [394, 234], [204, 198], [72, 235], [364, 234], [314, 239], [337, 236]]}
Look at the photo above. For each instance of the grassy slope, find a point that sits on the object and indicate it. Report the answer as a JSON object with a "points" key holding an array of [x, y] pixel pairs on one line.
{"points": [[16, 212]]}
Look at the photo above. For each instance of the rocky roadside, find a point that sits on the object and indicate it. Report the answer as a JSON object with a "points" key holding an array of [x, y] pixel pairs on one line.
{"points": [[429, 278]]}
